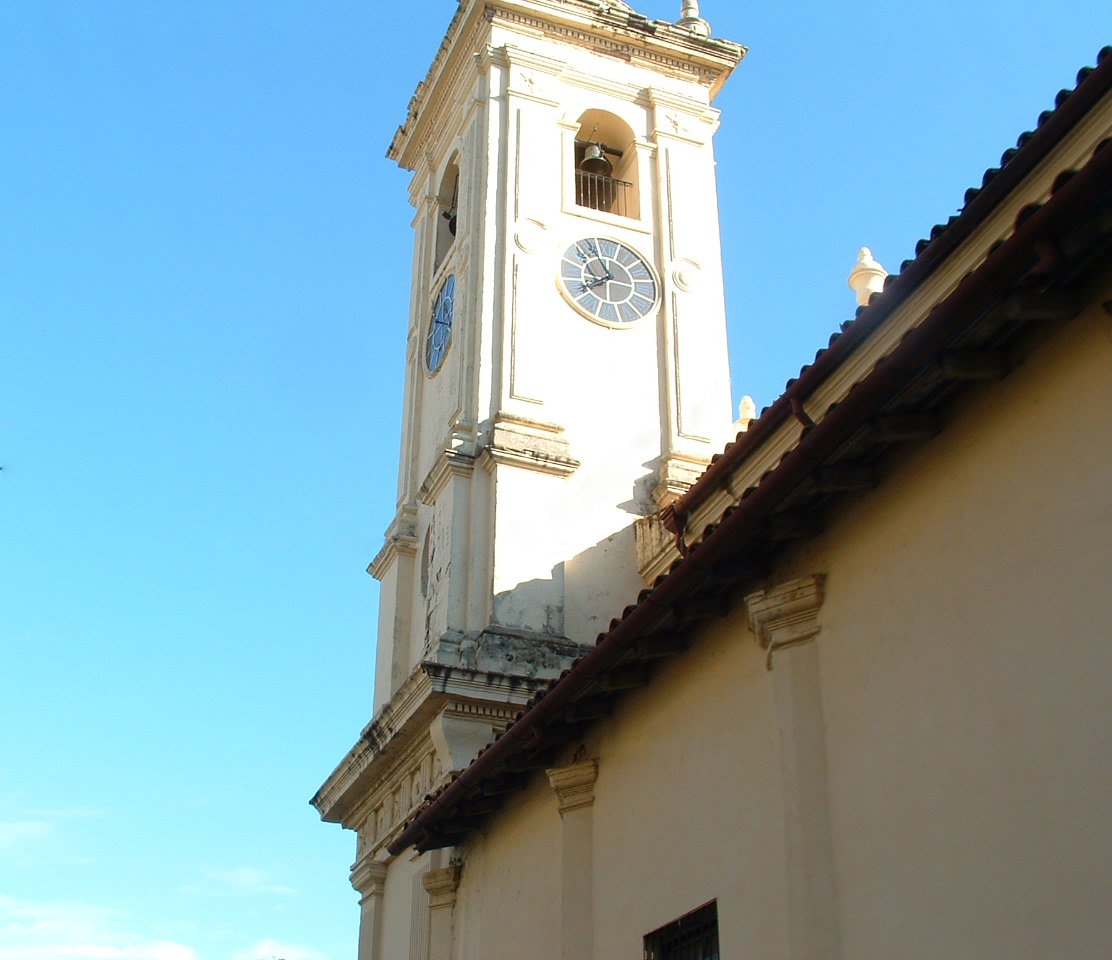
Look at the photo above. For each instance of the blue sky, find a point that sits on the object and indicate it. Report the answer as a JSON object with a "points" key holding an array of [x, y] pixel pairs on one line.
{"points": [[204, 264]]}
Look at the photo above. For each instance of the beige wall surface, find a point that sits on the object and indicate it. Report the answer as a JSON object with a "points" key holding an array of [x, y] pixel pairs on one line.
{"points": [[967, 675], [507, 904], [963, 679]]}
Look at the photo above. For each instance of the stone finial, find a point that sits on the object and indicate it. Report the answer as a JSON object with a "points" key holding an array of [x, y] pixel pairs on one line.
{"points": [[867, 276], [691, 21], [746, 414]]}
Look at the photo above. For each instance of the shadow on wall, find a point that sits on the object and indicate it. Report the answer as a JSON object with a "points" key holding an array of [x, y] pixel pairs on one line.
{"points": [[578, 601]]}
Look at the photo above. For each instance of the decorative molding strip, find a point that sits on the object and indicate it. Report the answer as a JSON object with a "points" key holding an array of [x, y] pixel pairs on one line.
{"points": [[786, 615], [574, 785]]}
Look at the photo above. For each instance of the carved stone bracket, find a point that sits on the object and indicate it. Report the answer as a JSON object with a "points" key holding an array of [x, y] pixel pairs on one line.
{"points": [[574, 785], [787, 614], [441, 885]]}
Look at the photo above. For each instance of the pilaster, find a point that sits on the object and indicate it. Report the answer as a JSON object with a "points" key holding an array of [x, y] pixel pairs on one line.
{"points": [[368, 877], [784, 619], [441, 886], [574, 786]]}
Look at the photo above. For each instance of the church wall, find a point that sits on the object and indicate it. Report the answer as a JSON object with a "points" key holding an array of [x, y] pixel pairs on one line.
{"points": [[966, 674], [687, 804], [510, 883], [687, 810]]}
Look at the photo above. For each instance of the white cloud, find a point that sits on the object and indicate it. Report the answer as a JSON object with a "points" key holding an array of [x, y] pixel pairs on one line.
{"points": [[239, 880], [273, 950], [162, 950], [20, 833], [40, 930], [32, 829]]}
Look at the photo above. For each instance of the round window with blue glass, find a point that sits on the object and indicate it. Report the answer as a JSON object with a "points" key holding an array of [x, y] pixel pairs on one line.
{"points": [[440, 326]]}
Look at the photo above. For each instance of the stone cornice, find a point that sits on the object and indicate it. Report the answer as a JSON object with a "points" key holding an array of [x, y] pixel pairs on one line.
{"points": [[574, 785], [396, 740], [625, 34], [463, 683], [448, 465], [530, 444], [787, 614], [401, 540], [402, 720]]}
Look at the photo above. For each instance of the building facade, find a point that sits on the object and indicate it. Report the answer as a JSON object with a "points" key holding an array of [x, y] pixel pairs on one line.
{"points": [[842, 692]]}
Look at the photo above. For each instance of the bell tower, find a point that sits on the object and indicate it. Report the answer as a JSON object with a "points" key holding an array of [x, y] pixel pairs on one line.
{"points": [[566, 374]]}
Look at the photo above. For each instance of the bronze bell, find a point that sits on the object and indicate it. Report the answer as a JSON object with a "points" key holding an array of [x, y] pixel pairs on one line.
{"points": [[595, 162], [451, 217]]}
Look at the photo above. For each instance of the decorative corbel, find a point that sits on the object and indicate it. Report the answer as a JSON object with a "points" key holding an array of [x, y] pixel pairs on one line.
{"points": [[787, 614]]}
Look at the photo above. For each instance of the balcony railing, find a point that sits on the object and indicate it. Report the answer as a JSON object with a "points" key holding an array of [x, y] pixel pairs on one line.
{"points": [[599, 192]]}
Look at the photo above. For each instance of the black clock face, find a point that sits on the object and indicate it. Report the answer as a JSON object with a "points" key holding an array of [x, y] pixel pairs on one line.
{"points": [[607, 281], [440, 326]]}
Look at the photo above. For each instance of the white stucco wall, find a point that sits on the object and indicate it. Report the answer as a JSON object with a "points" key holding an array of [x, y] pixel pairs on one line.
{"points": [[509, 118]]}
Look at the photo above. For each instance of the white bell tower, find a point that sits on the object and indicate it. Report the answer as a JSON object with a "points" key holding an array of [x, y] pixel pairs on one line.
{"points": [[566, 371]]}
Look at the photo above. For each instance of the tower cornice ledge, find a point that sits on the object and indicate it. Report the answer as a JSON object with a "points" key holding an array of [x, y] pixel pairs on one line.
{"points": [[615, 31], [386, 741], [401, 540], [531, 444]]}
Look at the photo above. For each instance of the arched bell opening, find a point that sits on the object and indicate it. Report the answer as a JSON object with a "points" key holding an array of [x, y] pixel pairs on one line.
{"points": [[605, 164], [447, 211]]}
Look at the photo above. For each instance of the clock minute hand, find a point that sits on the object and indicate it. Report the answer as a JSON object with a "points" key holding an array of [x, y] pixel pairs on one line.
{"points": [[606, 274]]}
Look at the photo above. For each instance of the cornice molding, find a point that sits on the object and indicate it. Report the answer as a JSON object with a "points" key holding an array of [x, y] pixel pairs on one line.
{"points": [[362, 792], [344, 795], [503, 693], [529, 444], [676, 475], [449, 465], [401, 541], [626, 35]]}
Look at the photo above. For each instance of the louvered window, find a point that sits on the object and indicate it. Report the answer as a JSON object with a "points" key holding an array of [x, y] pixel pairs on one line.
{"points": [[693, 937]]}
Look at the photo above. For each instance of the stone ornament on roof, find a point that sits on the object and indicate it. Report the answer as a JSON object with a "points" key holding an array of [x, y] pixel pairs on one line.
{"points": [[867, 276], [691, 21]]}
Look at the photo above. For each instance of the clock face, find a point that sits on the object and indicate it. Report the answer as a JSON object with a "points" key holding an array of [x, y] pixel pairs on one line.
{"points": [[607, 281], [440, 326]]}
